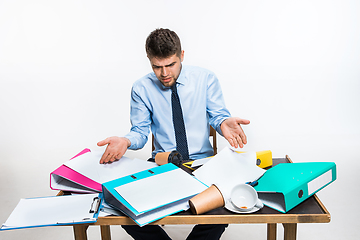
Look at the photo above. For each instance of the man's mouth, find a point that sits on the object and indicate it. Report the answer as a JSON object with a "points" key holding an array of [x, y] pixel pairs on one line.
{"points": [[167, 79]]}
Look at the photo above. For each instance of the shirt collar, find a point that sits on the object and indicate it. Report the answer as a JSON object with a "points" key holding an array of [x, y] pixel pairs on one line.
{"points": [[182, 76]]}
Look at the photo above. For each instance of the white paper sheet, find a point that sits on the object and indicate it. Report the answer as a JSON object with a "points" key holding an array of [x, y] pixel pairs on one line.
{"points": [[161, 189], [89, 166], [200, 162], [229, 168], [50, 211]]}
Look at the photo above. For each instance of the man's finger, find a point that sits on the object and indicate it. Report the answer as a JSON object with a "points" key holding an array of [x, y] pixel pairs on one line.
{"points": [[112, 158], [242, 135], [117, 157], [105, 156], [109, 158], [231, 141], [239, 141], [103, 142], [106, 160], [103, 159], [242, 121]]}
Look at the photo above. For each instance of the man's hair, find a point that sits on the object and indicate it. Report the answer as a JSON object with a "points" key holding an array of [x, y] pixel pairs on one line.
{"points": [[163, 43]]}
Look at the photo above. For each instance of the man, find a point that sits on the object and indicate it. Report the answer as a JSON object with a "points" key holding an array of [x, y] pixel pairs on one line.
{"points": [[178, 103]]}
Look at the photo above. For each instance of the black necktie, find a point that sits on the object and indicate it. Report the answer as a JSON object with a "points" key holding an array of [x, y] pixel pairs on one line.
{"points": [[179, 126]]}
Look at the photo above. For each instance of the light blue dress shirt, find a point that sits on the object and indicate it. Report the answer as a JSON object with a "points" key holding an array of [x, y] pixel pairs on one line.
{"points": [[202, 104]]}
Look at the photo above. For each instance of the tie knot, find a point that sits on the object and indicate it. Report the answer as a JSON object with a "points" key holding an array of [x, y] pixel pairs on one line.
{"points": [[173, 88]]}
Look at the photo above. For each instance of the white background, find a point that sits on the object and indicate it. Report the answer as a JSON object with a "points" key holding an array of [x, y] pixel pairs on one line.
{"points": [[291, 67]]}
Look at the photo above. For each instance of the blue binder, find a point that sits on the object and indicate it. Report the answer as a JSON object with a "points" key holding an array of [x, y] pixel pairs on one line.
{"points": [[286, 185], [152, 194], [54, 211]]}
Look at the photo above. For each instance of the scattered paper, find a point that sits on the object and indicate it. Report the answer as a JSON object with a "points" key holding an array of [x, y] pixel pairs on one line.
{"points": [[229, 168], [200, 162]]}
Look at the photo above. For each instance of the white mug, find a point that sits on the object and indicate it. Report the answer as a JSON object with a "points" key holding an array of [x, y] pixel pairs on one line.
{"points": [[244, 198]]}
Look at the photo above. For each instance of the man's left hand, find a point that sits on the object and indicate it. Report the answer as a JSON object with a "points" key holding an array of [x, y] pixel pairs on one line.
{"points": [[232, 131]]}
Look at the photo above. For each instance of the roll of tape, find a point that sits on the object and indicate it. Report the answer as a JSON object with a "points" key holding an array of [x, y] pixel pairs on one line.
{"points": [[169, 157]]}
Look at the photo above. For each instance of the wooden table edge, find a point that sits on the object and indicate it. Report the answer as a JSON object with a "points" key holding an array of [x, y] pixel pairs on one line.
{"points": [[222, 219]]}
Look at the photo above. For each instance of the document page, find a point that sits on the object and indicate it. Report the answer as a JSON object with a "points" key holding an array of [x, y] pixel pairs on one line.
{"points": [[89, 166], [161, 189]]}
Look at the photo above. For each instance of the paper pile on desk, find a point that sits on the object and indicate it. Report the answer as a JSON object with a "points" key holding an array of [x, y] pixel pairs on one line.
{"points": [[229, 168]]}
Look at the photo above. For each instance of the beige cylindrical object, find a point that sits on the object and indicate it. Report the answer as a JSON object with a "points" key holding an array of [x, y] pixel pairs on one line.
{"points": [[161, 158], [207, 200], [174, 157]]}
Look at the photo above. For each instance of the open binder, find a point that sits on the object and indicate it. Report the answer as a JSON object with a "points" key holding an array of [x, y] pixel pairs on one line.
{"points": [[152, 194], [286, 185], [67, 179], [84, 174], [54, 211]]}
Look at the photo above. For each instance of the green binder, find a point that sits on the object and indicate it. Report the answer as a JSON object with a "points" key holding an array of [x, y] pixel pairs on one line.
{"points": [[286, 185]]}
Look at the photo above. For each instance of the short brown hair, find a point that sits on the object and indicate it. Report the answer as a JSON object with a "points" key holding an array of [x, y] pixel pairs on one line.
{"points": [[163, 43]]}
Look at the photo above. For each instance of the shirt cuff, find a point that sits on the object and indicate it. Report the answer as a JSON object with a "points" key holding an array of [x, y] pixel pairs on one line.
{"points": [[218, 128], [137, 141]]}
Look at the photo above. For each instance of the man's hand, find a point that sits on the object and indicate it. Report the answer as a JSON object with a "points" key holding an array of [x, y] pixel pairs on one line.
{"points": [[233, 132], [116, 148]]}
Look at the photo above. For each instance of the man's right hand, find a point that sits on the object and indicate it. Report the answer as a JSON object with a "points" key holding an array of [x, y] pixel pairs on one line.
{"points": [[116, 148]]}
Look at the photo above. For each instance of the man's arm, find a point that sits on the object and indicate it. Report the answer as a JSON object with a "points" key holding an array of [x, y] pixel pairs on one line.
{"points": [[215, 105], [136, 138], [229, 128], [116, 148]]}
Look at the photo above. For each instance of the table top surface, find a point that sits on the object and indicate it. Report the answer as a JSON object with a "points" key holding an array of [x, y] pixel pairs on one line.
{"points": [[311, 210]]}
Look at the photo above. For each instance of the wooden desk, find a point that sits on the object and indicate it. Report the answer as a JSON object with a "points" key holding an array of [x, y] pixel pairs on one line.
{"points": [[310, 211]]}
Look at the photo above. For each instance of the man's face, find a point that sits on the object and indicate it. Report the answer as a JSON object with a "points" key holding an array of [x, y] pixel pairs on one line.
{"points": [[167, 70]]}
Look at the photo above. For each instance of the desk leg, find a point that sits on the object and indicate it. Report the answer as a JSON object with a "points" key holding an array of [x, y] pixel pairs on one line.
{"points": [[80, 231], [105, 232], [271, 231], [290, 231]]}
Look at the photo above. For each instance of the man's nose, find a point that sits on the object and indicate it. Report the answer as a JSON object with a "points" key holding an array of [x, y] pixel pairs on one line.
{"points": [[164, 71]]}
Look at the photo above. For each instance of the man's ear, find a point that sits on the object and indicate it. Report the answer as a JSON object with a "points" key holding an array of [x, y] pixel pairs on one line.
{"points": [[182, 56]]}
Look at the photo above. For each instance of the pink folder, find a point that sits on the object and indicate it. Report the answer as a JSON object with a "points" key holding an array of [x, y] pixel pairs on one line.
{"points": [[66, 179], [84, 174]]}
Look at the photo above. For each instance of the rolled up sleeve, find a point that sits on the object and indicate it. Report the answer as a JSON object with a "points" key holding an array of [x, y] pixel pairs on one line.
{"points": [[216, 104], [140, 118]]}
